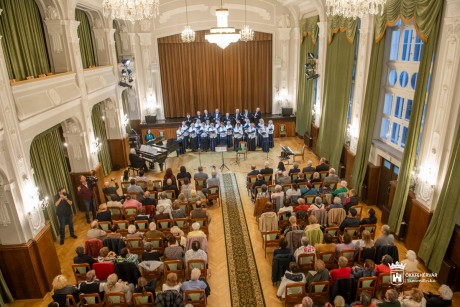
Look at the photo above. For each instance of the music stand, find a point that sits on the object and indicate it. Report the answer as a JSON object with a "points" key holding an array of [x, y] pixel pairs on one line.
{"points": [[265, 141], [285, 154], [222, 149], [199, 157]]}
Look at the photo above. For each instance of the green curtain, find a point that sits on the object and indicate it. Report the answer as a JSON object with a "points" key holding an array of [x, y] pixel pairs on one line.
{"points": [[305, 94], [23, 39], [369, 114], [410, 150], [423, 13], [337, 83], [5, 294], [86, 42], [50, 171], [100, 133], [439, 233]]}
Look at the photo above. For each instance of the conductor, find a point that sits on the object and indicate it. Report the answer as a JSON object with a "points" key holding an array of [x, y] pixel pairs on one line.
{"points": [[64, 213]]}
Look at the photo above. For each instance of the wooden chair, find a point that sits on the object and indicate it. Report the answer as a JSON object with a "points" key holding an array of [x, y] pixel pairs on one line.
{"points": [[353, 232], [200, 184], [157, 244], [181, 181], [286, 187], [294, 176], [283, 219], [242, 150], [349, 254], [115, 299], [171, 194], [173, 266], [135, 245], [165, 225], [306, 262], [368, 253], [308, 175], [299, 154], [317, 185], [106, 226], [294, 293], [124, 186], [143, 300], [182, 223], [142, 184], [383, 283], [151, 275], [157, 185], [282, 130], [213, 194], [329, 259], [122, 224], [270, 239], [195, 297], [70, 301], [130, 213], [135, 195], [369, 227], [142, 225], [334, 231], [366, 284], [117, 213], [319, 291], [268, 179], [251, 180], [411, 281], [359, 210], [203, 221], [197, 264], [310, 199], [90, 300], [323, 174], [79, 271]]}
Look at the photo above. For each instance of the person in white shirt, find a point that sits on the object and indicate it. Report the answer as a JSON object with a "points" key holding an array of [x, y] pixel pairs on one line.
{"points": [[171, 283], [287, 207], [165, 202]]}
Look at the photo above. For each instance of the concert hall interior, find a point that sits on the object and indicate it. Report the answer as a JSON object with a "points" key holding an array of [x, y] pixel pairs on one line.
{"points": [[90, 96]]}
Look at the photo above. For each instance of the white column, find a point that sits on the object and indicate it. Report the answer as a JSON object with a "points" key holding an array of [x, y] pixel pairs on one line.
{"points": [[294, 65], [321, 69], [441, 119], [283, 98], [147, 105], [366, 40]]}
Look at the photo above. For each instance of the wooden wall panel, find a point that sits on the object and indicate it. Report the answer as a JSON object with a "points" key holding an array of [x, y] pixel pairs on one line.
{"points": [[418, 222], [453, 254], [314, 135], [118, 152], [290, 128], [372, 183], [31, 266]]}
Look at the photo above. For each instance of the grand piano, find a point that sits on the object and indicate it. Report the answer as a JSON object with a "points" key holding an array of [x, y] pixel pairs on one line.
{"points": [[158, 153]]}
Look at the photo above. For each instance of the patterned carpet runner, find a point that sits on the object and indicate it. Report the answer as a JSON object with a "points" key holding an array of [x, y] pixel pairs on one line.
{"points": [[244, 280]]}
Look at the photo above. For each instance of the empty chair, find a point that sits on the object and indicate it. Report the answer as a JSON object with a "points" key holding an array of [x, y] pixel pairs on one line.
{"points": [[270, 239], [79, 271]]}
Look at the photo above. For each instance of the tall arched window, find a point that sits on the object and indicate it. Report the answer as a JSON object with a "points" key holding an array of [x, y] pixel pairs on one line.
{"points": [[23, 39], [86, 39]]}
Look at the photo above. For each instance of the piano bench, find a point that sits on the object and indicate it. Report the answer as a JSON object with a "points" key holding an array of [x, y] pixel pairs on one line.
{"points": [[135, 170]]}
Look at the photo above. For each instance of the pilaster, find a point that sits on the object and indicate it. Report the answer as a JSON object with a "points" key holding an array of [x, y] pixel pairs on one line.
{"points": [[282, 98], [322, 40]]}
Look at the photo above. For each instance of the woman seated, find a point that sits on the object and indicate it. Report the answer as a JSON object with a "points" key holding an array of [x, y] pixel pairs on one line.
{"points": [[283, 249], [125, 255], [321, 273], [196, 232], [179, 234], [114, 284], [171, 283], [386, 238], [61, 287], [411, 261], [384, 267], [144, 286], [186, 188], [414, 299], [174, 251], [178, 212], [342, 272], [132, 233], [336, 204], [366, 271], [347, 244], [317, 205], [309, 190], [342, 189], [287, 207], [292, 225], [351, 200], [196, 253], [293, 193], [365, 241], [106, 255], [293, 275], [315, 178], [104, 215], [149, 253], [264, 193], [371, 219]]}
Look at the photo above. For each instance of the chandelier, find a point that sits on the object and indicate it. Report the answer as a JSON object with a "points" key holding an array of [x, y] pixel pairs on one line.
{"points": [[354, 8], [187, 35], [246, 33], [222, 35], [132, 10]]}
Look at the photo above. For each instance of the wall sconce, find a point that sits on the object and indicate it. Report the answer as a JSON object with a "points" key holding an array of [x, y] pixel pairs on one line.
{"points": [[125, 120], [95, 146]]}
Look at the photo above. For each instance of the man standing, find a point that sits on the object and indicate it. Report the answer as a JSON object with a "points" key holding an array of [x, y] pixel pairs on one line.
{"points": [[85, 191], [64, 213]]}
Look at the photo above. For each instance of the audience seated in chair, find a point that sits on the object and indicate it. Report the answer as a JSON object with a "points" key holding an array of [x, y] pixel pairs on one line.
{"points": [[161, 213], [113, 284], [91, 285], [365, 241], [142, 216], [267, 170], [342, 272], [268, 220], [94, 232], [293, 275], [301, 205], [281, 178], [322, 166], [144, 286], [321, 273], [306, 248], [153, 232], [444, 298], [317, 205], [174, 251], [179, 234], [336, 204], [410, 262], [183, 173], [350, 221], [384, 267], [331, 177], [347, 243], [186, 188], [106, 255], [287, 207], [149, 253], [134, 188], [171, 283], [391, 299], [327, 246], [82, 257], [61, 287], [313, 231], [131, 203], [351, 200], [111, 191], [367, 270], [169, 175], [199, 212], [194, 283], [371, 219], [306, 302], [178, 212], [169, 185], [196, 232], [196, 253], [126, 256], [386, 238], [132, 233], [342, 190], [104, 215], [292, 226], [293, 193], [200, 174]]}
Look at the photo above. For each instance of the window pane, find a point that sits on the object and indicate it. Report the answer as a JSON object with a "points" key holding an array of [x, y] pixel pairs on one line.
{"points": [[399, 107], [403, 79], [408, 109], [398, 23], [394, 45], [418, 45], [396, 170], [392, 77], [413, 80], [428, 83], [388, 104], [395, 133], [404, 135], [384, 129], [387, 164], [407, 43]]}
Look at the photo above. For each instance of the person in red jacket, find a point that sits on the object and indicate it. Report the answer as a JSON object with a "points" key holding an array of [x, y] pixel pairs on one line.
{"points": [[85, 192], [342, 272]]}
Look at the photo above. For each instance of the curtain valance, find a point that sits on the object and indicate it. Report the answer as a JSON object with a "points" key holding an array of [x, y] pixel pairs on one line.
{"points": [[309, 28], [337, 24]]}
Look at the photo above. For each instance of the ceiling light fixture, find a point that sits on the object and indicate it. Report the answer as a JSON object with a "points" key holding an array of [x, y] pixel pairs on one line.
{"points": [[246, 33], [222, 35], [354, 8], [187, 35], [132, 10]]}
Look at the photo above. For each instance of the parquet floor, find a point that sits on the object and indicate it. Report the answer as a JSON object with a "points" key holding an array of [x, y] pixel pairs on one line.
{"points": [[220, 292]]}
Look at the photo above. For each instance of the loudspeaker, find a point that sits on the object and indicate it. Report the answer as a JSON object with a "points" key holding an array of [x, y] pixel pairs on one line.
{"points": [[150, 119], [286, 111]]}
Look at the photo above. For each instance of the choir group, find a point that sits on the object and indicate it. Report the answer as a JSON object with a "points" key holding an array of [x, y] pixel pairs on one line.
{"points": [[205, 131]]}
